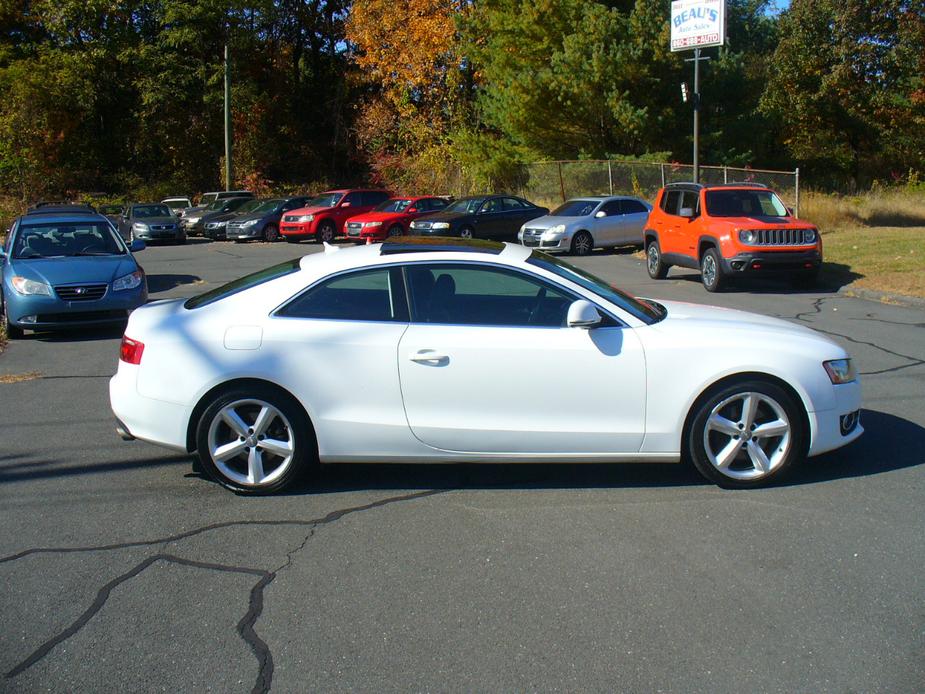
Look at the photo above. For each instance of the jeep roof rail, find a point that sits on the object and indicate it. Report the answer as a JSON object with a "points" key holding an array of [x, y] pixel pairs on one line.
{"points": [[740, 184], [436, 244]]}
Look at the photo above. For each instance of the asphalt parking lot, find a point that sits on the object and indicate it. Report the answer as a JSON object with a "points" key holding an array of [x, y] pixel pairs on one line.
{"points": [[125, 570]]}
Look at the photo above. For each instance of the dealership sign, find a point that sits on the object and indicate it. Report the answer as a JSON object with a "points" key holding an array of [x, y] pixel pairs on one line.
{"points": [[697, 24]]}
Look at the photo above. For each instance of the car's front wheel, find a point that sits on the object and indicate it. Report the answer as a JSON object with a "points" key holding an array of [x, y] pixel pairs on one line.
{"points": [[13, 332], [396, 230], [271, 233], [254, 440], [711, 272], [582, 243], [327, 232], [465, 233], [746, 433]]}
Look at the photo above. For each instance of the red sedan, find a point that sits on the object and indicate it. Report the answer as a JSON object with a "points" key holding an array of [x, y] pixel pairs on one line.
{"points": [[391, 218], [323, 216]]}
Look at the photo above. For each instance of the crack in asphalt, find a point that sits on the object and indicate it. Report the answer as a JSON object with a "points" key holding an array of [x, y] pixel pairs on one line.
{"points": [[817, 309], [245, 626]]}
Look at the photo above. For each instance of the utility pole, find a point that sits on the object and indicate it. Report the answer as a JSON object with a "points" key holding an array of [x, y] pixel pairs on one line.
{"points": [[228, 176], [696, 99]]}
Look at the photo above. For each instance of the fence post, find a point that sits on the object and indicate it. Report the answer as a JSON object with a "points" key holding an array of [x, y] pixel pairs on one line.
{"points": [[796, 184], [725, 174], [661, 168], [610, 176], [561, 182]]}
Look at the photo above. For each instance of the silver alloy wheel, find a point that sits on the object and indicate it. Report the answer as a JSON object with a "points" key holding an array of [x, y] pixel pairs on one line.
{"points": [[465, 233], [652, 258], [583, 243], [327, 233], [708, 269], [747, 436], [251, 442], [395, 230]]}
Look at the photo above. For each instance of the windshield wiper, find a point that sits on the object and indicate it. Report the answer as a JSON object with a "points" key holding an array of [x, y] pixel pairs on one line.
{"points": [[92, 253]]}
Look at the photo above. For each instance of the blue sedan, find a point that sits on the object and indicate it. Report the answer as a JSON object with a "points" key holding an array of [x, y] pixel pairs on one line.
{"points": [[67, 267]]}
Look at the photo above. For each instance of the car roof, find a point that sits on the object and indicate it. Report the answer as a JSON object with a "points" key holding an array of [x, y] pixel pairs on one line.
{"points": [[690, 185], [61, 217], [46, 209]]}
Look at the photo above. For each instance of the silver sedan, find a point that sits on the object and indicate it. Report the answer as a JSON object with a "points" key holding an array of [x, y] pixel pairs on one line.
{"points": [[582, 224]]}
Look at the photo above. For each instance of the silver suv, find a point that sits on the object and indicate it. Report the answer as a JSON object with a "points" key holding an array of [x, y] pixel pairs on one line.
{"points": [[582, 224]]}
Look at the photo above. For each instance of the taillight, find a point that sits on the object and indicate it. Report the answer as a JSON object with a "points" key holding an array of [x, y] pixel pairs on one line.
{"points": [[131, 350]]}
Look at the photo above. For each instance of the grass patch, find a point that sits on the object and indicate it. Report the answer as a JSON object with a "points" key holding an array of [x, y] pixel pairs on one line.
{"points": [[19, 378], [886, 259], [878, 208]]}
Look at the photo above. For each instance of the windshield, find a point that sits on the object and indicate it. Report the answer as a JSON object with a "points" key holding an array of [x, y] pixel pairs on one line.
{"points": [[249, 206], [640, 309], [575, 208], [208, 199], [466, 205], [264, 206], [394, 205], [744, 203], [179, 203], [66, 240], [142, 211], [325, 200], [242, 283]]}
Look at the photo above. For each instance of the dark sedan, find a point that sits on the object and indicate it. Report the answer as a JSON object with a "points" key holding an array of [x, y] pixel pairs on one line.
{"points": [[218, 213], [479, 216], [151, 222], [262, 222]]}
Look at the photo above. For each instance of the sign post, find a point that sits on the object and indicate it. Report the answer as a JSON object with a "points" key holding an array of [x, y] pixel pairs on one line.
{"points": [[697, 24]]}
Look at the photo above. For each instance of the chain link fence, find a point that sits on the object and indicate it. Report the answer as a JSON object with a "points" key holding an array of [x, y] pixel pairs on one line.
{"points": [[551, 183]]}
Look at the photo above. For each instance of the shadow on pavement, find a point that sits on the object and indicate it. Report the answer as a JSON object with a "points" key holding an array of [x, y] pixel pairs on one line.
{"points": [[833, 277], [108, 332], [44, 469], [164, 283]]}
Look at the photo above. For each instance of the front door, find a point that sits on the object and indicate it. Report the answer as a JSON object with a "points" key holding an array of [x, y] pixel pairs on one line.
{"points": [[488, 365]]}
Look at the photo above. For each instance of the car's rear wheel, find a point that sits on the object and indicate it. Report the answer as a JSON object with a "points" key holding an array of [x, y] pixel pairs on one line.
{"points": [[255, 440], [746, 433], [655, 266], [327, 232], [13, 332], [271, 233], [582, 243], [711, 272]]}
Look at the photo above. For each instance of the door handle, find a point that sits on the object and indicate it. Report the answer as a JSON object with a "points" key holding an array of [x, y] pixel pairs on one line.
{"points": [[429, 356]]}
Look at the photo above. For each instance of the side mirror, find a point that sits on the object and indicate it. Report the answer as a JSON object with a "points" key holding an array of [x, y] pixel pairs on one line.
{"points": [[412, 209], [2, 253], [599, 214], [790, 212], [687, 212], [137, 245], [583, 314], [345, 204]]}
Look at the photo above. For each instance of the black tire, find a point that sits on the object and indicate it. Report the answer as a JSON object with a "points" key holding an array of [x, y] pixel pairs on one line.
{"points": [[655, 266], [466, 233], [582, 244], [396, 230], [711, 271], [774, 405], [247, 402], [271, 233], [326, 232], [13, 332]]}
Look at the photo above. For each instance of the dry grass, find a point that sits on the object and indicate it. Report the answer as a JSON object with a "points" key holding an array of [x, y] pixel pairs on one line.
{"points": [[19, 378], [878, 208]]}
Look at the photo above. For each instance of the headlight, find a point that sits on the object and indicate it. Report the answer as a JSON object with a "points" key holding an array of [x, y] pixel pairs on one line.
{"points": [[31, 287], [306, 218], [192, 220], [138, 226], [558, 229], [809, 236], [440, 225], [840, 371], [128, 281], [748, 236], [414, 225], [249, 222], [372, 224]]}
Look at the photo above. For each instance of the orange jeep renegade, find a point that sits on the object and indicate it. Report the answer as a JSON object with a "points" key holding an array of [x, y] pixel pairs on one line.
{"points": [[728, 231]]}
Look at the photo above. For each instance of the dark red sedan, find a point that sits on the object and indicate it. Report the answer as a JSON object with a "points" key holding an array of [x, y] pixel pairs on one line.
{"points": [[391, 218]]}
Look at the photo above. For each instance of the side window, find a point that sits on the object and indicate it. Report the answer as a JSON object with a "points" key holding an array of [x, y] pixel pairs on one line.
{"points": [[479, 295], [612, 208], [670, 200], [632, 207], [370, 295], [437, 203], [422, 205], [513, 204], [690, 199], [493, 205], [355, 199]]}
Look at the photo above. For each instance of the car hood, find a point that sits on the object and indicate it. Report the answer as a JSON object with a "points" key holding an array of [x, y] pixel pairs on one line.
{"points": [[308, 210], [75, 270], [248, 216], [707, 318], [760, 222], [156, 220], [218, 216], [377, 217], [548, 221]]}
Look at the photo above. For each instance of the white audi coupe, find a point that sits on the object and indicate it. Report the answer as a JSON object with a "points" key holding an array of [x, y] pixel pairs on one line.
{"points": [[452, 351]]}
